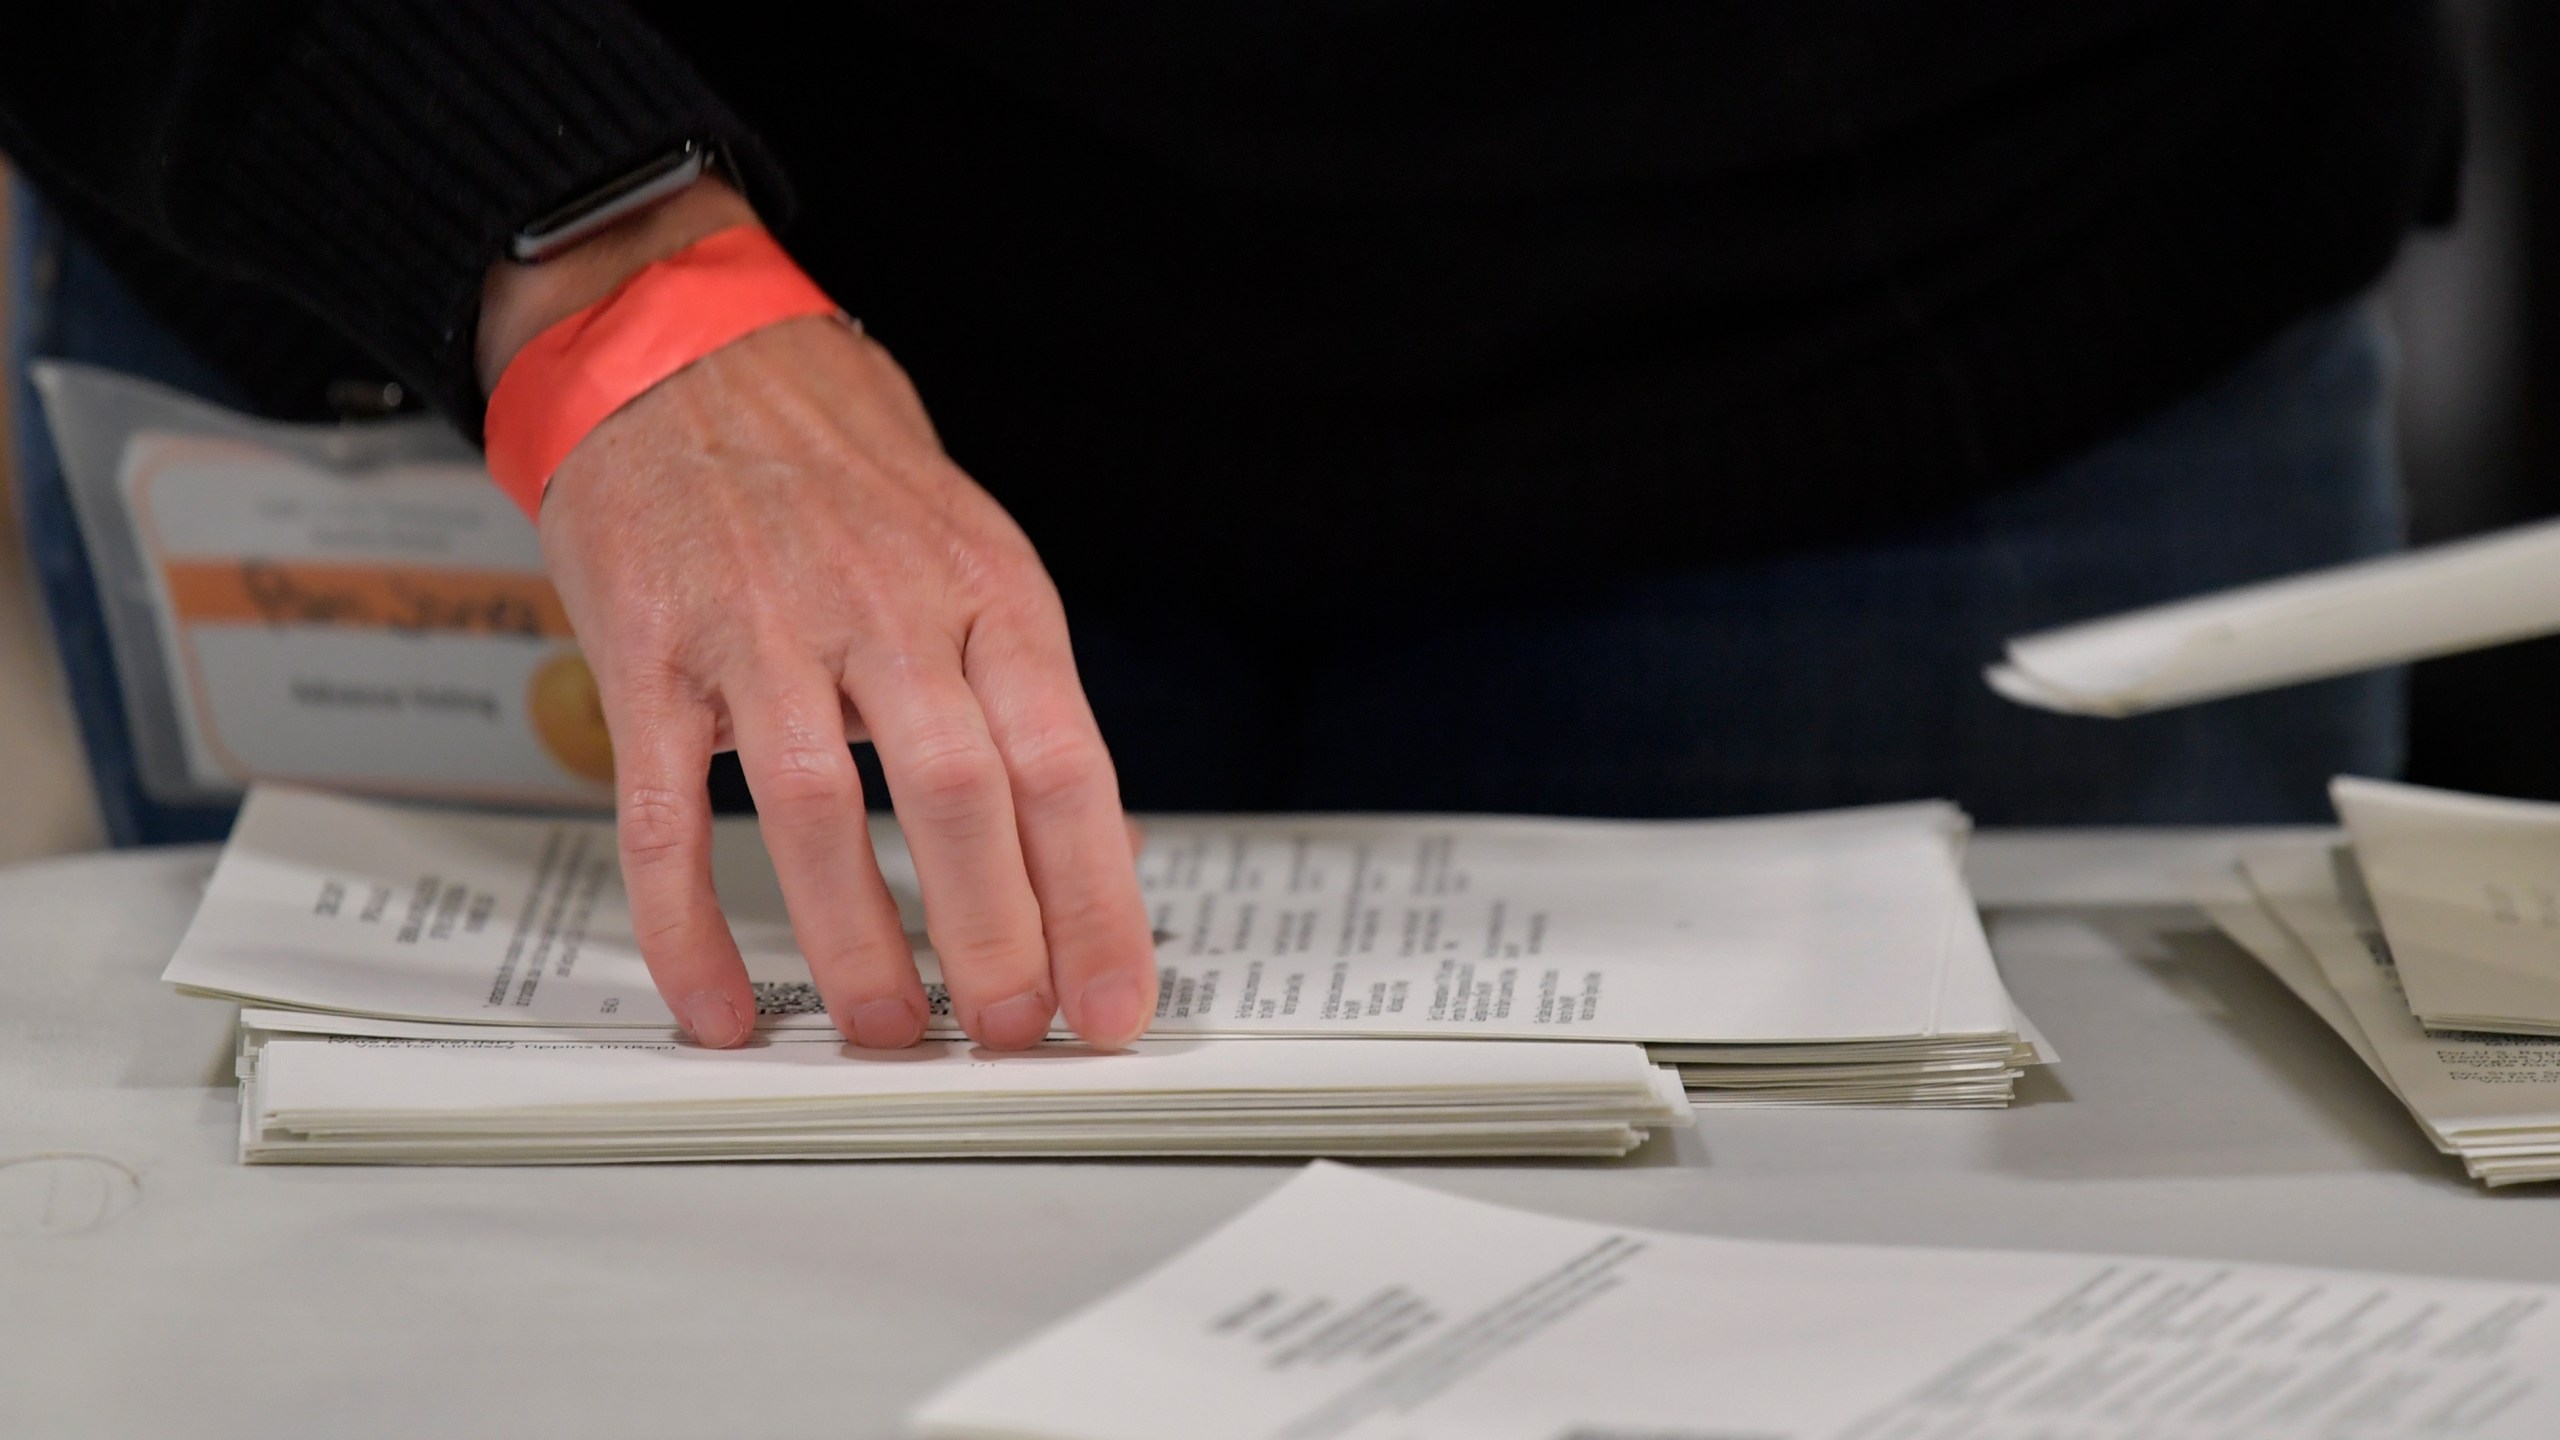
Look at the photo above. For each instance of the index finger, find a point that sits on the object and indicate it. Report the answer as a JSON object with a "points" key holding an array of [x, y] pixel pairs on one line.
{"points": [[662, 752]]}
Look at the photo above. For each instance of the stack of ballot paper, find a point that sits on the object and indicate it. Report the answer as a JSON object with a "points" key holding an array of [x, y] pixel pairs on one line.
{"points": [[1824, 959], [1351, 1307], [2468, 890], [551, 1096], [2459, 596], [2492, 1100]]}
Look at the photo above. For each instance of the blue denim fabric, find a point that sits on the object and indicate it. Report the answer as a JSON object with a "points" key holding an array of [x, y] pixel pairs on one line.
{"points": [[1841, 676]]}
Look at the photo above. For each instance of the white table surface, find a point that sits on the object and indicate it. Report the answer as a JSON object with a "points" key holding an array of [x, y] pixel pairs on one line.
{"points": [[150, 1286]]}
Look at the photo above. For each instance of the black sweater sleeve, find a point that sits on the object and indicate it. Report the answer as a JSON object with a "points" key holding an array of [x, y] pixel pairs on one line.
{"points": [[365, 158]]}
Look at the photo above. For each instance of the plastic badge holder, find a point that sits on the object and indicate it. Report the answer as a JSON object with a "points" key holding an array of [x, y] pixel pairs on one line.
{"points": [[349, 605]]}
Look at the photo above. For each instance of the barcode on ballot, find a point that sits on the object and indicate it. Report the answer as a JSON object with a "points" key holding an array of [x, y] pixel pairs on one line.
{"points": [[799, 997], [1588, 1433]]}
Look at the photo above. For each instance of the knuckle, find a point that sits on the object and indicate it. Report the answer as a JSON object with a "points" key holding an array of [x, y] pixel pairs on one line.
{"points": [[1056, 766], [656, 827], [1013, 570], [983, 952], [772, 633], [646, 637], [1084, 917], [1023, 605], [652, 685], [670, 934], [867, 968], [953, 778], [805, 783]]}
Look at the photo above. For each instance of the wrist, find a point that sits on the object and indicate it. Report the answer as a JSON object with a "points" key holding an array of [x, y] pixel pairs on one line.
{"points": [[652, 323], [519, 302]]}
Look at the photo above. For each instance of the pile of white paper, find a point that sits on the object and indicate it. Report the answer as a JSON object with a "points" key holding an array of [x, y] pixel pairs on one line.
{"points": [[2492, 1100], [1826, 959], [549, 1097], [2459, 596], [2468, 889], [1350, 1307], [1797, 957]]}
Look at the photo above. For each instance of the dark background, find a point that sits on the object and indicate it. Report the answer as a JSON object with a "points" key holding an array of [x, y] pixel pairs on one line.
{"points": [[2477, 308], [2478, 311]]}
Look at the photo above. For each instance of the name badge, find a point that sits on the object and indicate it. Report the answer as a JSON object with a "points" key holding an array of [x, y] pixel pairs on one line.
{"points": [[389, 629]]}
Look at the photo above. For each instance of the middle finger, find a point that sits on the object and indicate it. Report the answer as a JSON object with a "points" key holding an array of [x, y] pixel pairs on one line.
{"points": [[791, 746], [948, 785]]}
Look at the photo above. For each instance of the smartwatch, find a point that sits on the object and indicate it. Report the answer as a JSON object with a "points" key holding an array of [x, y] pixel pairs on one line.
{"points": [[653, 183]]}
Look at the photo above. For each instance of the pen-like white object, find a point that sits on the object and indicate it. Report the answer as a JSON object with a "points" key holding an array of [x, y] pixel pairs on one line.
{"points": [[2465, 595]]}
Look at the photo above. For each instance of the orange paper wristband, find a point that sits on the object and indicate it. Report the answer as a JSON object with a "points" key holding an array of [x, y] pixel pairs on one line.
{"points": [[670, 313]]}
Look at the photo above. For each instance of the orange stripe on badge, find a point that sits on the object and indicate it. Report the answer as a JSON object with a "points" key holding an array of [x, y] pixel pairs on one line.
{"points": [[263, 592]]}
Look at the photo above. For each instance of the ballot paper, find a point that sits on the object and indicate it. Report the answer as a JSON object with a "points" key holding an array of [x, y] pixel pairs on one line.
{"points": [[550, 1097], [2491, 1100], [1772, 958], [2436, 601], [2468, 889], [1351, 1307]]}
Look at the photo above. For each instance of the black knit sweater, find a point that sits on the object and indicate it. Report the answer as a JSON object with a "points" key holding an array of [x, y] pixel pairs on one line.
{"points": [[1264, 295]]}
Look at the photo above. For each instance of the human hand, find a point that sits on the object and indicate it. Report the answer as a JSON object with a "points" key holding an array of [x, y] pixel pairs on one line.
{"points": [[769, 551]]}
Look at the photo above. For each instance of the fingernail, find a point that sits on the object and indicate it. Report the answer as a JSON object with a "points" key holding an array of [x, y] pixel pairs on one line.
{"points": [[712, 1019], [890, 1024], [1015, 1023], [1111, 1011]]}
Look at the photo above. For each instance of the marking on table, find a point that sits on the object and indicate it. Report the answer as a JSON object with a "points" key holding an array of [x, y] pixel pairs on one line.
{"points": [[63, 1193]]}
